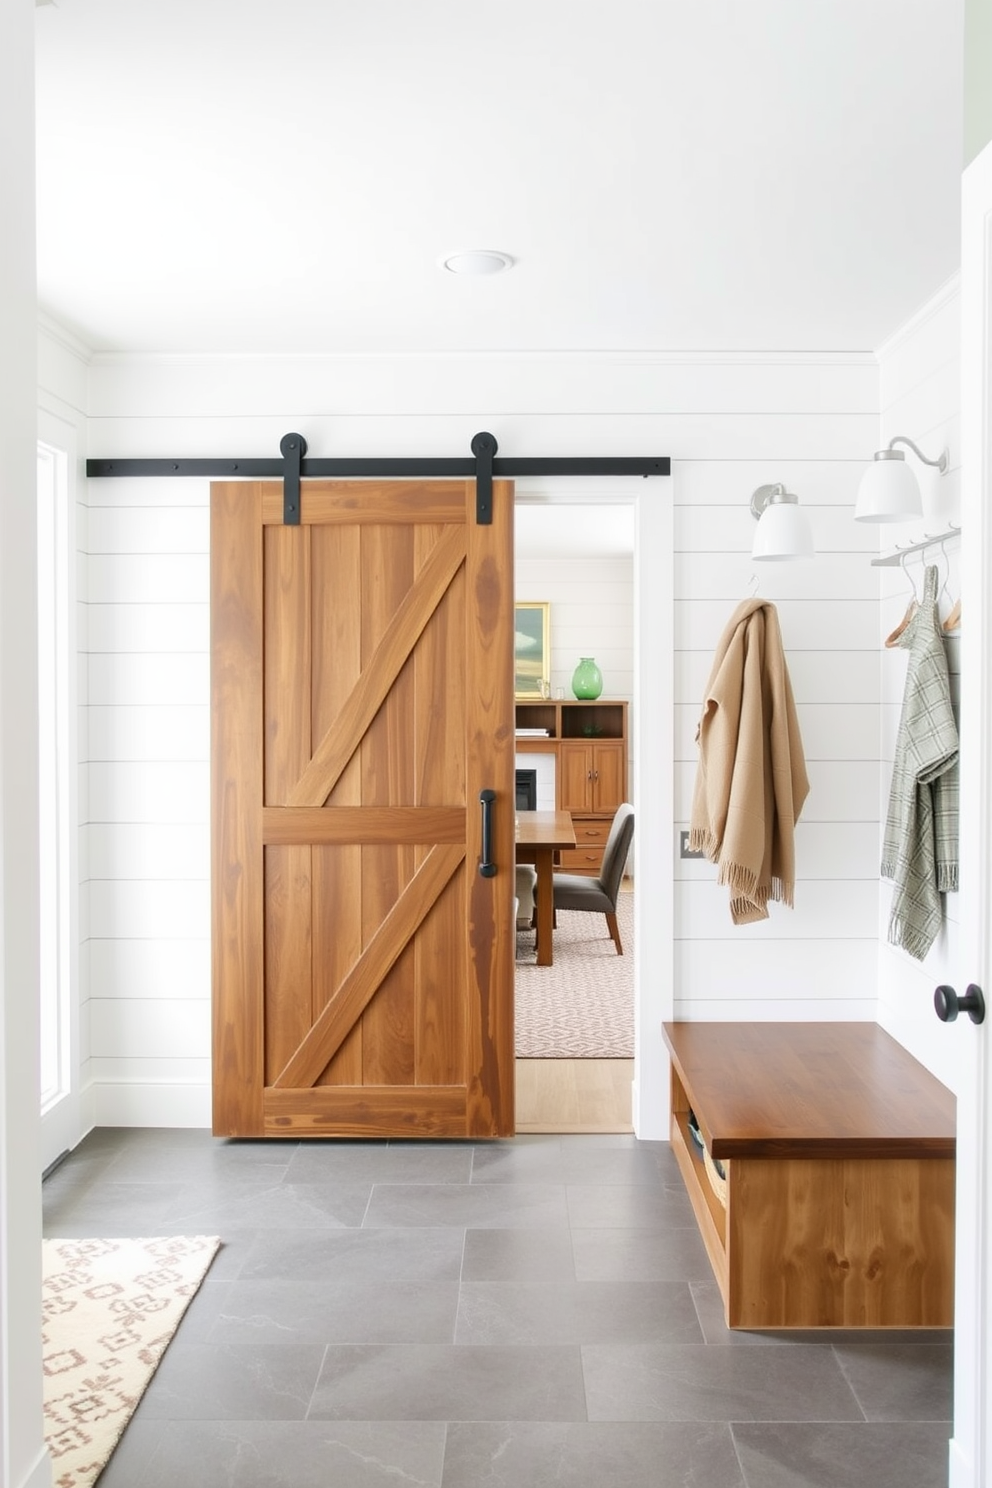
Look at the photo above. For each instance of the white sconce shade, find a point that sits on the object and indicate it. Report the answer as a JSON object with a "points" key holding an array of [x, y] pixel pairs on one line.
{"points": [[783, 528], [889, 490]]}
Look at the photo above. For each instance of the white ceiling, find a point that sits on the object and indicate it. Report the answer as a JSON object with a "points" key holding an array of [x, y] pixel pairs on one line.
{"points": [[283, 175]]}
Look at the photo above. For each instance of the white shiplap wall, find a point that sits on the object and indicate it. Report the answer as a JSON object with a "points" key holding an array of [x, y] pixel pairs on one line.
{"points": [[730, 424], [816, 960], [147, 832], [920, 396]]}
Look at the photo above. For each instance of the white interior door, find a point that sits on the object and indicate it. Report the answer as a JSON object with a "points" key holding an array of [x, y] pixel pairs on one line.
{"points": [[970, 1456]]}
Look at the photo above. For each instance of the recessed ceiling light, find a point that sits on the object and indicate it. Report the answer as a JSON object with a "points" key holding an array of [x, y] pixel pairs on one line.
{"points": [[476, 261]]}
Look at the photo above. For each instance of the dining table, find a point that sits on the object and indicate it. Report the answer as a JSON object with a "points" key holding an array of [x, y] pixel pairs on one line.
{"points": [[540, 835]]}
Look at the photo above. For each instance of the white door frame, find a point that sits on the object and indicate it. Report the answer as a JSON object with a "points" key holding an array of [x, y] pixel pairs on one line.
{"points": [[61, 1121], [970, 1457], [654, 793]]}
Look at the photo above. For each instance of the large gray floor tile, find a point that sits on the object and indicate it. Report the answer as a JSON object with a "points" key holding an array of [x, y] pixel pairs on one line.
{"points": [[604, 1139], [130, 1459], [118, 1139], [525, 1256], [527, 1159], [377, 1310], [110, 1209], [628, 1206], [709, 1309], [450, 1384], [505, 1162], [382, 1162], [212, 1382], [235, 1246], [478, 1206], [899, 1381], [639, 1255], [571, 1252], [656, 1382], [183, 1162], [577, 1312], [78, 1169], [303, 1454], [273, 1205], [420, 1254], [590, 1455], [821, 1456]]}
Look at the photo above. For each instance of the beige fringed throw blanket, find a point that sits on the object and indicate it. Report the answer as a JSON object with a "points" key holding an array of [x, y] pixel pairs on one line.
{"points": [[920, 846], [751, 779]]}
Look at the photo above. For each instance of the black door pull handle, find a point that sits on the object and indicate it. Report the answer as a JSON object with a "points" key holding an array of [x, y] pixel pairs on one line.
{"points": [[487, 867]]}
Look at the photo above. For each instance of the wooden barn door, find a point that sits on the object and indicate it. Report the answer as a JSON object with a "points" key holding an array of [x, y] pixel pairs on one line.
{"points": [[362, 696]]}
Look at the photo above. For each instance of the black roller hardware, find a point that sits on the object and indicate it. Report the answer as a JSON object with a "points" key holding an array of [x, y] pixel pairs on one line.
{"points": [[293, 447], [484, 449]]}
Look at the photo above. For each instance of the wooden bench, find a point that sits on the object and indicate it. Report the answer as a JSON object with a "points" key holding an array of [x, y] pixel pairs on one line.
{"points": [[839, 1155]]}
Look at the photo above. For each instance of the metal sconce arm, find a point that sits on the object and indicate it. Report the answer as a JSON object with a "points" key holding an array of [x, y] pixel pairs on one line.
{"points": [[940, 463]]}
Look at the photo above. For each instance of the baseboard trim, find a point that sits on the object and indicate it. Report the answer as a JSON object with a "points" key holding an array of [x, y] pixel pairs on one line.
{"points": [[131, 1103]]}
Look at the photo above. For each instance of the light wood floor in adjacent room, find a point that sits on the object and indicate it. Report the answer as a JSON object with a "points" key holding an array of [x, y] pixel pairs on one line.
{"points": [[574, 1095]]}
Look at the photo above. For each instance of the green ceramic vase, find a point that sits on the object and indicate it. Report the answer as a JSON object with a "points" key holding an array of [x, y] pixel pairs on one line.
{"points": [[587, 679]]}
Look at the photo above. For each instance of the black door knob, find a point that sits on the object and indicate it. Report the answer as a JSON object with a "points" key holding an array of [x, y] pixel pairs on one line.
{"points": [[948, 1004]]}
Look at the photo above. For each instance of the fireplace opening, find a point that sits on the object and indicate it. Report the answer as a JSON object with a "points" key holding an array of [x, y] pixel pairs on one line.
{"points": [[526, 790]]}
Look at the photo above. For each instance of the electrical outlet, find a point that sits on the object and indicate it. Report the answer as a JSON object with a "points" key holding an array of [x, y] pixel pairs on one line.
{"points": [[684, 850]]}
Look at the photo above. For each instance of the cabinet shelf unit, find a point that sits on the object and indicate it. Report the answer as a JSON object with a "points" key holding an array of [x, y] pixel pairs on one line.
{"points": [[589, 742]]}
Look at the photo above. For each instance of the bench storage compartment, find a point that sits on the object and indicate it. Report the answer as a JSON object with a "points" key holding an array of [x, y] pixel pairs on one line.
{"points": [[839, 1155]]}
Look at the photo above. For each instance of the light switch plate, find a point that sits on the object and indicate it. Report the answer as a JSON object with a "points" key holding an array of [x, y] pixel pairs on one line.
{"points": [[684, 850]]}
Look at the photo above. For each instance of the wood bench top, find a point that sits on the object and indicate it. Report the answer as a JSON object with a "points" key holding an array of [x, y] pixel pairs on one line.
{"points": [[810, 1090]]}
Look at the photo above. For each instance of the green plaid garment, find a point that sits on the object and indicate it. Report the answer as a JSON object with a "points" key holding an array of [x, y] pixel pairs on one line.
{"points": [[920, 846]]}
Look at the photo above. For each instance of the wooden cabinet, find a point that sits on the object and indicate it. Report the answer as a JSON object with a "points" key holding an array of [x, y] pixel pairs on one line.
{"points": [[837, 1206], [591, 778], [589, 741]]}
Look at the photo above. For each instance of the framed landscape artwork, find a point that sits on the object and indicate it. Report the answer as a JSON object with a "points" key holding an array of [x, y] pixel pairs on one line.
{"points": [[532, 649]]}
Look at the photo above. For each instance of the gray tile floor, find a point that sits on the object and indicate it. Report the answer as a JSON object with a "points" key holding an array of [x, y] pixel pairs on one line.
{"points": [[521, 1313]]}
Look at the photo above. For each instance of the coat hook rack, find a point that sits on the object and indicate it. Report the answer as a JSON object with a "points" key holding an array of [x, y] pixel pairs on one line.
{"points": [[902, 552]]}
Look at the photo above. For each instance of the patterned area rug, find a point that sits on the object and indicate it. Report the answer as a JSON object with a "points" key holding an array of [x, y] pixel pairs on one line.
{"points": [[109, 1310], [582, 1006]]}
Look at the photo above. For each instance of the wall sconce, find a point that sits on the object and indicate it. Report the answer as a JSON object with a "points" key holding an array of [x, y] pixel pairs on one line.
{"points": [[783, 530], [889, 491]]}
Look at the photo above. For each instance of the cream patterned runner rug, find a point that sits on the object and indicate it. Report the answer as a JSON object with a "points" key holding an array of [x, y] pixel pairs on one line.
{"points": [[109, 1309], [582, 1006]]}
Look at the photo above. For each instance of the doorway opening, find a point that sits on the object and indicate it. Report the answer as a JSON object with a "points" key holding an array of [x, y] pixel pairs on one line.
{"points": [[578, 556]]}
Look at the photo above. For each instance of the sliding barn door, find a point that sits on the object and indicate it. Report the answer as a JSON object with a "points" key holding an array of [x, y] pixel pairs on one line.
{"points": [[362, 693]]}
